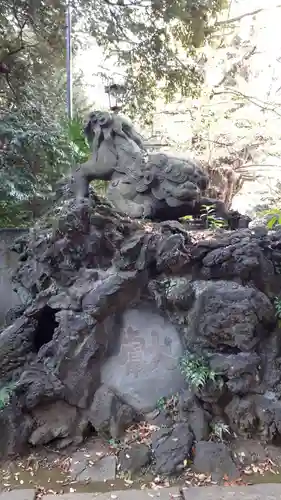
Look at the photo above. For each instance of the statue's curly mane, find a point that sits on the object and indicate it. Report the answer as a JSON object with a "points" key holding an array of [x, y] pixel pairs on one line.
{"points": [[105, 123]]}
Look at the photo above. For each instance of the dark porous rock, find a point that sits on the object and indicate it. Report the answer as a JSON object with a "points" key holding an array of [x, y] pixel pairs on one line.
{"points": [[112, 304], [212, 391], [113, 292], [78, 369], [239, 255], [123, 417], [238, 221], [227, 315], [270, 353], [175, 294], [137, 252], [108, 414], [248, 451], [214, 459], [242, 416], [16, 346], [52, 421], [13, 314], [38, 384], [172, 254], [171, 446], [159, 418], [134, 458], [242, 371], [101, 409], [256, 416], [199, 420], [16, 428], [234, 365], [192, 412], [245, 384], [268, 416]]}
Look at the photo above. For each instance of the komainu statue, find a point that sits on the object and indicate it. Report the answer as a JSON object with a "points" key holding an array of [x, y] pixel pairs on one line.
{"points": [[156, 186]]}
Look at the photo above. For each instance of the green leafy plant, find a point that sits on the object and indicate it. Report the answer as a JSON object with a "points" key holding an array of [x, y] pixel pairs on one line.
{"points": [[196, 370], [187, 218], [168, 404], [220, 430], [212, 221], [160, 405], [39, 149], [277, 304], [5, 394], [79, 145], [274, 217], [115, 444]]}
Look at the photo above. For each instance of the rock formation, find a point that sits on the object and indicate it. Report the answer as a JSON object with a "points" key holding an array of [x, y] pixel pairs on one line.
{"points": [[122, 314]]}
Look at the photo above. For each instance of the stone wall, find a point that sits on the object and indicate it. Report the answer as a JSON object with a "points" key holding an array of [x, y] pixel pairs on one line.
{"points": [[8, 262]]}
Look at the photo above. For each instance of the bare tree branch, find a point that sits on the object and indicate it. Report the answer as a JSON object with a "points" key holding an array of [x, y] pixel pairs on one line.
{"points": [[246, 14], [233, 69], [253, 100]]}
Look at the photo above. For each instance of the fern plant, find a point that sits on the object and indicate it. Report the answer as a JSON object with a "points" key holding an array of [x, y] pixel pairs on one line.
{"points": [[196, 370], [212, 221]]}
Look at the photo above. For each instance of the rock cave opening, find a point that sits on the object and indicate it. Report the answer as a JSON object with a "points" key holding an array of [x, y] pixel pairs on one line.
{"points": [[276, 440], [45, 328]]}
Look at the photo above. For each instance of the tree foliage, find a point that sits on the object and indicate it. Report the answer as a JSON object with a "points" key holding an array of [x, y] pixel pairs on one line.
{"points": [[31, 39], [37, 148], [155, 43], [37, 145]]}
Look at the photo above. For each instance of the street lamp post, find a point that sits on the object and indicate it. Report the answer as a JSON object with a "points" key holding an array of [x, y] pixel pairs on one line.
{"points": [[116, 95], [68, 62]]}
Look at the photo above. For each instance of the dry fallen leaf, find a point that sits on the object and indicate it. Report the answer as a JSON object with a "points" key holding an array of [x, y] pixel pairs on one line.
{"points": [[201, 477]]}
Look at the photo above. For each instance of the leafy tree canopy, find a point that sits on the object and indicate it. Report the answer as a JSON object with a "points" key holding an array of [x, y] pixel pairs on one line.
{"points": [[154, 41], [37, 145]]}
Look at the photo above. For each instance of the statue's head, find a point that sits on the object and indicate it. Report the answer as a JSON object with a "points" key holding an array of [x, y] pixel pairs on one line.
{"points": [[96, 121], [103, 125]]}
